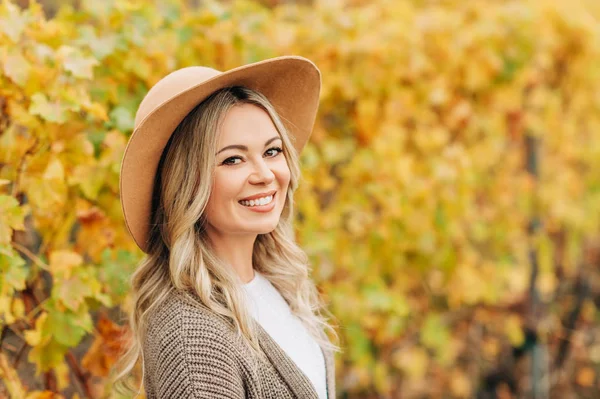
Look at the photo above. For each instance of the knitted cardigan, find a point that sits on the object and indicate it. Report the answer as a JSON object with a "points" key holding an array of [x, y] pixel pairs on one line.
{"points": [[190, 352]]}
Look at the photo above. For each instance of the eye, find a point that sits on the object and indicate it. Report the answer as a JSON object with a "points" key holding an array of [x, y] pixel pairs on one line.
{"points": [[275, 148], [226, 162], [229, 161]]}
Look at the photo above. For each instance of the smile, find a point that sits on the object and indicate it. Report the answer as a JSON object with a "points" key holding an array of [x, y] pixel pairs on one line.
{"points": [[258, 202], [260, 205]]}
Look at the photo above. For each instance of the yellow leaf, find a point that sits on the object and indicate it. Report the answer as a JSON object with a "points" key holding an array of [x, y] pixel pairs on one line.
{"points": [[381, 377], [589, 312], [11, 217], [55, 170], [90, 178], [62, 375], [491, 347], [15, 22], [98, 110], [595, 353], [460, 384], [18, 308], [34, 337], [4, 304], [62, 262], [476, 76], [16, 67], [366, 119], [51, 111], [74, 61], [514, 330], [547, 284], [13, 142], [46, 194], [439, 96], [414, 361], [10, 378]]}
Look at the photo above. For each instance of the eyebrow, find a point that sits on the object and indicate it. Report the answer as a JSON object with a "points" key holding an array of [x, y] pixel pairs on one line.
{"points": [[243, 147]]}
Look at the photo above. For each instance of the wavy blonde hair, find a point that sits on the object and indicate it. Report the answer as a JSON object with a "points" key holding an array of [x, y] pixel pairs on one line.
{"points": [[180, 256]]}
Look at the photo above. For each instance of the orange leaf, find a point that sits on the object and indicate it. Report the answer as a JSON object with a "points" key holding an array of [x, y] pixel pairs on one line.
{"points": [[106, 347], [585, 377]]}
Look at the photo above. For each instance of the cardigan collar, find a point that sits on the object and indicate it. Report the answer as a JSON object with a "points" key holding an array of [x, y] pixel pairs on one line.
{"points": [[291, 373]]}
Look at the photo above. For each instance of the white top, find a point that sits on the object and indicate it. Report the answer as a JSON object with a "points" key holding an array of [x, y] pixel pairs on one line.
{"points": [[272, 312]]}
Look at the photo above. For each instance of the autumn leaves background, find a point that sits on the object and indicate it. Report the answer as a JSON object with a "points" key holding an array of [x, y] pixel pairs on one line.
{"points": [[450, 202]]}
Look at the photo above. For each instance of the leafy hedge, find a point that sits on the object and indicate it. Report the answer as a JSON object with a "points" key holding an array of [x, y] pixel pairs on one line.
{"points": [[450, 201]]}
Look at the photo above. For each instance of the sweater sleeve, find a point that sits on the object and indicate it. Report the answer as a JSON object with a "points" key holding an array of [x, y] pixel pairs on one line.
{"points": [[187, 356]]}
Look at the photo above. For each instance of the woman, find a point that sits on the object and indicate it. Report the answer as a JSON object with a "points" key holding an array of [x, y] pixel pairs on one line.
{"points": [[223, 303]]}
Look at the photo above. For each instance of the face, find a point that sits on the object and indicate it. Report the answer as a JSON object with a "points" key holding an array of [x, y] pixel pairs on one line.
{"points": [[249, 161]]}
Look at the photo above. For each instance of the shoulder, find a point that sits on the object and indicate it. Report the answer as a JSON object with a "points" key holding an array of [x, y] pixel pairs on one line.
{"points": [[180, 311], [188, 352]]}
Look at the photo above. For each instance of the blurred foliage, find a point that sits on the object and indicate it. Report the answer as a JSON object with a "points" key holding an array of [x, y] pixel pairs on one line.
{"points": [[414, 206]]}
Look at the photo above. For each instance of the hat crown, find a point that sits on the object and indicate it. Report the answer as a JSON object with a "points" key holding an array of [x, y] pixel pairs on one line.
{"points": [[170, 86]]}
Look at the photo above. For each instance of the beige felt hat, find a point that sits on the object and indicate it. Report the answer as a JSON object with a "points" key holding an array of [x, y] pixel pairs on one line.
{"points": [[291, 83]]}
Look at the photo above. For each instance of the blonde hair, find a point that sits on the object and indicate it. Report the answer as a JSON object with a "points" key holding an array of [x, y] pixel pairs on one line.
{"points": [[180, 256]]}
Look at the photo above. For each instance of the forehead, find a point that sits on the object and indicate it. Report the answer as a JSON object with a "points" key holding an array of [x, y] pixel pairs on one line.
{"points": [[246, 124]]}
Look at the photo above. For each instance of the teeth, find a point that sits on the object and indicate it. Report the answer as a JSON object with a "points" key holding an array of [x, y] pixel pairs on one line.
{"points": [[258, 202]]}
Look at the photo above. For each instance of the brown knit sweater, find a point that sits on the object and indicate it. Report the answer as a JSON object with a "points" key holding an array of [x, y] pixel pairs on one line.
{"points": [[191, 353]]}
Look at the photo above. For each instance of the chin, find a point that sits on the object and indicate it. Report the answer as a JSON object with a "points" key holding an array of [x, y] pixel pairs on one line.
{"points": [[267, 228]]}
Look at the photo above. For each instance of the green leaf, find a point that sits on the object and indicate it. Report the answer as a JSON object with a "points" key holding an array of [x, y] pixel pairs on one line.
{"points": [[67, 327], [122, 118], [434, 334], [12, 217], [115, 274], [103, 299], [47, 356], [359, 342], [184, 34], [13, 270]]}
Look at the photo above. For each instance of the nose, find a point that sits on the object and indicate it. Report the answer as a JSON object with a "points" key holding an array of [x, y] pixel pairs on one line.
{"points": [[262, 173]]}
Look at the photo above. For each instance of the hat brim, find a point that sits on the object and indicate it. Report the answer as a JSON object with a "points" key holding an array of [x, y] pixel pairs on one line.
{"points": [[291, 83]]}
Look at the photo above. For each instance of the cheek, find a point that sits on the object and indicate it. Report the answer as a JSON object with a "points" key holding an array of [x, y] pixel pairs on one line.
{"points": [[283, 174], [225, 187]]}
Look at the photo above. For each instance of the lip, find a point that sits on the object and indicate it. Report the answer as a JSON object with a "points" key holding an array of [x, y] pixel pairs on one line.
{"points": [[272, 192], [262, 208]]}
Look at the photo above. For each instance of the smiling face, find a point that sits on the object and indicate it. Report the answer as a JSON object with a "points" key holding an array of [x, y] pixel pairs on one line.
{"points": [[249, 161]]}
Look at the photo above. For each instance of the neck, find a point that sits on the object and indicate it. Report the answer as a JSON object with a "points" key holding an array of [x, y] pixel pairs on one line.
{"points": [[235, 250]]}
